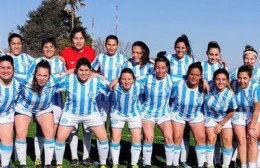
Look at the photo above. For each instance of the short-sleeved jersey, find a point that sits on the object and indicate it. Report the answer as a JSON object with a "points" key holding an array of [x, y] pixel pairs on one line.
{"points": [[247, 97], [186, 103], [22, 63], [110, 66], [8, 95], [81, 97], [255, 74], [217, 104], [139, 70], [71, 56], [57, 67], [209, 69], [32, 101], [127, 102], [179, 67], [157, 95]]}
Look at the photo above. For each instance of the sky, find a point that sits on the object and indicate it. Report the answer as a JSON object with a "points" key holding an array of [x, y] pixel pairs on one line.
{"points": [[158, 23]]}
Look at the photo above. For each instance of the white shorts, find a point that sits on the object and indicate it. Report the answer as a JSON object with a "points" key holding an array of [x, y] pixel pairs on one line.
{"points": [[240, 118], [176, 118], [211, 122], [6, 119], [56, 113], [156, 120], [118, 121], [104, 107], [22, 110], [73, 120]]}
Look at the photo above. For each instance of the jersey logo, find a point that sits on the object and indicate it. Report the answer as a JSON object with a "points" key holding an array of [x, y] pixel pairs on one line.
{"points": [[235, 117], [114, 121], [186, 67], [199, 100], [72, 62], [134, 97], [207, 119], [167, 89], [223, 103], [118, 65], [64, 121], [90, 94], [57, 69], [250, 99], [255, 78]]}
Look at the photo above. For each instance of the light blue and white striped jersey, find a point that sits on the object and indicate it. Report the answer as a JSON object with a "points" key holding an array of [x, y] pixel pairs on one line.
{"points": [[157, 95], [247, 97], [139, 70], [81, 97], [127, 103], [57, 67], [179, 67], [110, 66], [217, 103], [255, 74], [22, 63], [32, 101], [209, 69], [8, 95], [186, 103]]}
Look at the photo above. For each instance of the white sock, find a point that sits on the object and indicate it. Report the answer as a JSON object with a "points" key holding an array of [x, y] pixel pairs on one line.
{"points": [[59, 151], [115, 151], [103, 148], [176, 155], [243, 165], [258, 157], [38, 146], [169, 152], [147, 153], [185, 148], [210, 154], [21, 149], [135, 153], [251, 165], [227, 155], [49, 145], [86, 144], [74, 144], [201, 154], [217, 152], [6, 153]]}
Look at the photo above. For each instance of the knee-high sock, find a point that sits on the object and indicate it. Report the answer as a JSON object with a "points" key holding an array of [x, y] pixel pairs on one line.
{"points": [[147, 153], [135, 153], [49, 145], [21, 149], [38, 146], [185, 148], [169, 152], [6, 153], [201, 154], [59, 152], [176, 155], [103, 151], [210, 154], [227, 155], [115, 151]]}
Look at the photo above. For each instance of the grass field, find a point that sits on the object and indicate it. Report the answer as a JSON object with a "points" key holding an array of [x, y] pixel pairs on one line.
{"points": [[158, 158]]}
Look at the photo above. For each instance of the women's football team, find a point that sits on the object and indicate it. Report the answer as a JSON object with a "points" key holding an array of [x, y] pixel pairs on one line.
{"points": [[174, 92]]}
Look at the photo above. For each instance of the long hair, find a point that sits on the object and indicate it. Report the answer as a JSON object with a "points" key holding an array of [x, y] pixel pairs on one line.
{"points": [[198, 66], [145, 51], [42, 64]]}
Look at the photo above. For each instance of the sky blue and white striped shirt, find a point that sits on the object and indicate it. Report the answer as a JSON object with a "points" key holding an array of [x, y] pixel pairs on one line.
{"points": [[127, 103], [139, 70], [217, 103], [81, 97], [247, 97], [8, 95], [157, 95], [22, 63], [179, 67], [186, 103], [32, 101], [57, 67], [209, 69]]}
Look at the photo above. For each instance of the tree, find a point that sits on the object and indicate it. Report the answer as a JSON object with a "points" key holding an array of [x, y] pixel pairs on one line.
{"points": [[49, 19], [124, 47], [73, 8]]}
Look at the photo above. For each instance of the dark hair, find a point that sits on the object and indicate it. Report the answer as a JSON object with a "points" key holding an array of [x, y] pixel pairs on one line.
{"points": [[49, 40], [161, 53], [127, 70], [7, 58], [161, 58], [82, 61], [145, 51], [213, 44], [198, 66], [14, 35], [220, 71], [246, 68], [249, 48], [42, 64], [183, 38], [76, 30], [113, 37]]}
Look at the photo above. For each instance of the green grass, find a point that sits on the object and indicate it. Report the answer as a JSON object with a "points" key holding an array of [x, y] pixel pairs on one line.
{"points": [[158, 158]]}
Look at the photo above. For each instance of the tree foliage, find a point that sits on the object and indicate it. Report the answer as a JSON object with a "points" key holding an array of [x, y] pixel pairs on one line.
{"points": [[49, 19]]}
